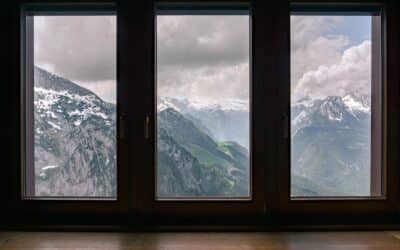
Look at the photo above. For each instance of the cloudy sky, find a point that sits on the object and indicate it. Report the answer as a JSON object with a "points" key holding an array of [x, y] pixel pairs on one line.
{"points": [[79, 48], [207, 57], [330, 55]]}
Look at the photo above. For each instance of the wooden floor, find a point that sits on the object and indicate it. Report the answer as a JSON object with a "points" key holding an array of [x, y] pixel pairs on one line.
{"points": [[207, 241]]}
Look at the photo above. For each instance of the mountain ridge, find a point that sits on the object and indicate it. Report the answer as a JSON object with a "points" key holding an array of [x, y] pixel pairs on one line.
{"points": [[330, 149], [202, 151], [75, 139]]}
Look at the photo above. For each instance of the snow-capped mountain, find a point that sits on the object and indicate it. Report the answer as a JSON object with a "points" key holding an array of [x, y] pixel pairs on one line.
{"points": [[330, 149], [75, 148], [336, 111], [227, 120], [75, 139], [184, 105], [199, 151], [200, 145]]}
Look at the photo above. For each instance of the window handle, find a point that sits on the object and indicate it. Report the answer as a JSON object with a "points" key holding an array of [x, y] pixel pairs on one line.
{"points": [[147, 127]]}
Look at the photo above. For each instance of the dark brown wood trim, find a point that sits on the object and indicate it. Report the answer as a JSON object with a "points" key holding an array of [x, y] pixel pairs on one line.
{"points": [[23, 210], [271, 206], [28, 173], [144, 181], [347, 205], [378, 179]]}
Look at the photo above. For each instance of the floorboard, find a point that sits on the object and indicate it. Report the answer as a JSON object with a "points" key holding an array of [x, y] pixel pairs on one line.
{"points": [[194, 241]]}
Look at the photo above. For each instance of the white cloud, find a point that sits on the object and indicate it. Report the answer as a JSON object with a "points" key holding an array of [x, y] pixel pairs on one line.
{"points": [[351, 74], [213, 83], [79, 48], [194, 41], [320, 63], [198, 56], [203, 57], [310, 47], [321, 51]]}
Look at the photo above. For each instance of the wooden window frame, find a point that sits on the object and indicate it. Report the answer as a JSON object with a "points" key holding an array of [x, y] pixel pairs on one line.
{"points": [[70, 209], [177, 9], [27, 110], [383, 197], [271, 206], [190, 209], [378, 167]]}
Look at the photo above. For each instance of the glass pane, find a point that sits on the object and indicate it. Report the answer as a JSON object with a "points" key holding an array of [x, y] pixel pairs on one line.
{"points": [[331, 105], [203, 106], [74, 106]]}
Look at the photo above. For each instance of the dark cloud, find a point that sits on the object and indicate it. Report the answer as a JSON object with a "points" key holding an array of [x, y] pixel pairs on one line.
{"points": [[203, 57], [195, 41], [81, 48], [197, 55]]}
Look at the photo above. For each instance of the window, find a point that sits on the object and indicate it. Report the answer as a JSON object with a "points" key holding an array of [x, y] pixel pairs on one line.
{"points": [[203, 106], [70, 105], [227, 112], [336, 105]]}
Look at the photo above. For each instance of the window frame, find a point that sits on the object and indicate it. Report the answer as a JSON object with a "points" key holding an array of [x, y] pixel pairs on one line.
{"points": [[298, 206], [200, 207], [39, 207], [378, 167], [27, 113], [163, 9], [135, 206]]}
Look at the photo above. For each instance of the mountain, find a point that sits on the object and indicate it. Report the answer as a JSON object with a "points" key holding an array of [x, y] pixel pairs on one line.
{"points": [[74, 139], [206, 143], [330, 150], [191, 163], [202, 148], [227, 120], [75, 148], [334, 111]]}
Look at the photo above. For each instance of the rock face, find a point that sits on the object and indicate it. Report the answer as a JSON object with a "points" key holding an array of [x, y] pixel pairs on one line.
{"points": [[202, 150], [75, 140], [75, 148], [191, 163], [226, 121], [330, 150]]}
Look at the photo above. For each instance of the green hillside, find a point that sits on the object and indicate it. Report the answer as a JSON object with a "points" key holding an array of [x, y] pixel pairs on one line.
{"points": [[191, 163]]}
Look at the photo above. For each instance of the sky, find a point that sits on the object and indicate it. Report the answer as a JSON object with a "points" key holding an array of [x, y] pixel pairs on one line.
{"points": [[203, 58], [207, 57], [79, 48], [330, 55]]}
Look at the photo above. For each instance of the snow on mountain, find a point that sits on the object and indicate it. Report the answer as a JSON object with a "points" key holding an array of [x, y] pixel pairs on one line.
{"points": [[227, 120], [75, 139], [330, 145], [80, 107], [184, 105], [333, 108], [299, 118], [334, 111], [353, 104]]}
